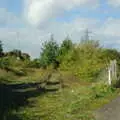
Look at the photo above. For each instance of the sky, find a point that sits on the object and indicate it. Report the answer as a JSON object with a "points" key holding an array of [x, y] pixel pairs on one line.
{"points": [[26, 24]]}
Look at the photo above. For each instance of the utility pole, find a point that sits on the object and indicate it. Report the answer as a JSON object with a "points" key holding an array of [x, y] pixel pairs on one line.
{"points": [[86, 36], [18, 40]]}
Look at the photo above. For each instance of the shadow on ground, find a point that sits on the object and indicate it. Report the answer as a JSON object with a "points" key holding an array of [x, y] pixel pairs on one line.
{"points": [[14, 96]]}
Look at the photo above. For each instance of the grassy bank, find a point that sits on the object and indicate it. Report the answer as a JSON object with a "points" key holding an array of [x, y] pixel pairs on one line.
{"points": [[22, 99]]}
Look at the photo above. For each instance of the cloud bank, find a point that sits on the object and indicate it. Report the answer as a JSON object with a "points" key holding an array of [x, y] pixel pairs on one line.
{"points": [[37, 12]]}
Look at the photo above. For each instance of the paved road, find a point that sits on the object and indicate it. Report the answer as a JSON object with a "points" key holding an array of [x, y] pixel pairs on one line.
{"points": [[110, 111]]}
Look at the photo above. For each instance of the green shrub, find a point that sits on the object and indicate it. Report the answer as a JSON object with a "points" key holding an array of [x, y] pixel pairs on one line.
{"points": [[34, 64], [4, 62], [84, 61], [101, 90]]}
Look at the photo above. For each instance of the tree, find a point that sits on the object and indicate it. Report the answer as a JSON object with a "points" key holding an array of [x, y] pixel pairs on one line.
{"points": [[1, 49], [24, 56], [49, 53], [66, 46], [110, 54]]}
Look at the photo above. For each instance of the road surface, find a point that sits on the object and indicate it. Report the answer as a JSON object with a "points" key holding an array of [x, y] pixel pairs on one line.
{"points": [[110, 111]]}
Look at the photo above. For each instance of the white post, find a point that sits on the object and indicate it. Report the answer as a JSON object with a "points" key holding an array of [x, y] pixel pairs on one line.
{"points": [[109, 76], [115, 74], [112, 66]]}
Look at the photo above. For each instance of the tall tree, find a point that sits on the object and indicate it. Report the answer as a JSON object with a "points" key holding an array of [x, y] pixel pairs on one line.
{"points": [[49, 52], [66, 46]]}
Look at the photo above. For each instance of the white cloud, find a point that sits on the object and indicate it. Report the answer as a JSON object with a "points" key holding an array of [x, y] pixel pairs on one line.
{"points": [[26, 39], [38, 12], [111, 27], [109, 33], [74, 28], [115, 3]]}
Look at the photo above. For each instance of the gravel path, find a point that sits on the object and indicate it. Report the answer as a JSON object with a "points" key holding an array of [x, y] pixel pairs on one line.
{"points": [[110, 111]]}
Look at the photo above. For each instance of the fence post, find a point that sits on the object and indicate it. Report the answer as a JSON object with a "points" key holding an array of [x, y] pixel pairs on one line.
{"points": [[109, 76], [112, 71], [115, 69]]}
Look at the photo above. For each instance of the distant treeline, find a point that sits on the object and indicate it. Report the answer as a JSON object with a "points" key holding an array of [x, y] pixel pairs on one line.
{"points": [[85, 59]]}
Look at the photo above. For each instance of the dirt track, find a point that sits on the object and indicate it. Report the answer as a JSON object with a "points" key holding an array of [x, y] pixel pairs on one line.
{"points": [[110, 111]]}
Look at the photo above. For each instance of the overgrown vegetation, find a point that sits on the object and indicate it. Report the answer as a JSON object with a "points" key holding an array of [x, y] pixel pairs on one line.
{"points": [[86, 59], [67, 81]]}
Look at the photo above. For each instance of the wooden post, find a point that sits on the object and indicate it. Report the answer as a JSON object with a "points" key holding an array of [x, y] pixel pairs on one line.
{"points": [[109, 76]]}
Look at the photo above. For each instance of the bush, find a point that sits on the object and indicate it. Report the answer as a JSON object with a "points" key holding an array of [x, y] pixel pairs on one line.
{"points": [[84, 61], [34, 63], [100, 90], [4, 62]]}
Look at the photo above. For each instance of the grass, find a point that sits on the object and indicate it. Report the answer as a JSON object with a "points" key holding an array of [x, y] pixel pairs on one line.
{"points": [[22, 100]]}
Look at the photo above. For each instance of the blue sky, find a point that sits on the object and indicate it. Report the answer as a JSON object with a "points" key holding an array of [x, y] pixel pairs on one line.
{"points": [[14, 6], [32, 21]]}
